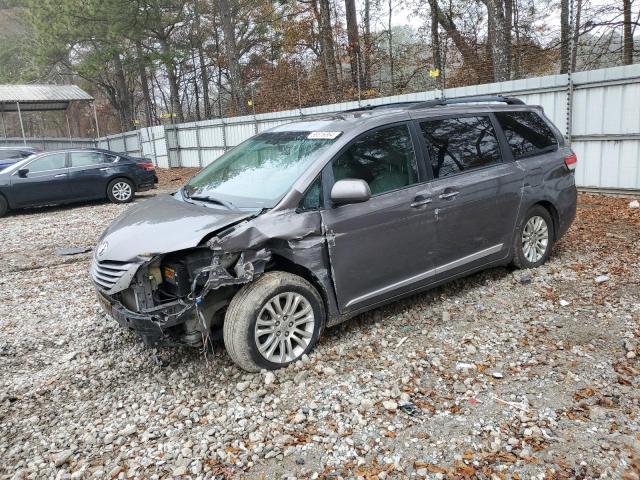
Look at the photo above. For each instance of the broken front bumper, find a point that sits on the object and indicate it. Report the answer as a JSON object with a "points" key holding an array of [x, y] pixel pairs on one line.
{"points": [[156, 328]]}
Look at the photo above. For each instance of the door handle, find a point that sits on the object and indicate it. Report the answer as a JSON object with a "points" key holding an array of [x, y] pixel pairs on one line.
{"points": [[104, 169], [60, 175], [420, 201], [447, 195]]}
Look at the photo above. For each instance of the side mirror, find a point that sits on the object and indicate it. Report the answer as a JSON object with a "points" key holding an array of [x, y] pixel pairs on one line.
{"points": [[350, 191], [23, 172]]}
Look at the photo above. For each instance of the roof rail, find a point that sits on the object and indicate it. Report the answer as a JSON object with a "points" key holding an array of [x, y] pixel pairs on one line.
{"points": [[407, 104], [452, 101]]}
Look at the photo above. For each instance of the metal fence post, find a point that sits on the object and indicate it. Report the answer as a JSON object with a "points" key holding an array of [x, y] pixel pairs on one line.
{"points": [[198, 145], [153, 145], [224, 135]]}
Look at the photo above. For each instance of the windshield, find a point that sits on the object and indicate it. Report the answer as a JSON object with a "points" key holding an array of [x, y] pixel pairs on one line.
{"points": [[260, 171]]}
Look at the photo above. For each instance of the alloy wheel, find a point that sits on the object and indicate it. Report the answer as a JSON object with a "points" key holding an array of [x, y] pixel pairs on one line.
{"points": [[284, 327], [121, 191], [535, 239]]}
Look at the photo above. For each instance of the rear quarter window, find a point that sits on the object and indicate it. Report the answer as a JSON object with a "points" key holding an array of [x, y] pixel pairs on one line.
{"points": [[527, 133]]}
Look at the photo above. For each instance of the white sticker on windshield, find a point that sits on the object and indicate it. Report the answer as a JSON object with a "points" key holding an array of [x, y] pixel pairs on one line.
{"points": [[324, 135]]}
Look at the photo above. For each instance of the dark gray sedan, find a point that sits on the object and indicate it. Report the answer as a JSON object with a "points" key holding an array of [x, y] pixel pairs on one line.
{"points": [[67, 176], [313, 222]]}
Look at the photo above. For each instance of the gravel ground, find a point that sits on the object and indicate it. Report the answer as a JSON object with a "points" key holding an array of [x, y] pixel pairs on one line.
{"points": [[505, 374]]}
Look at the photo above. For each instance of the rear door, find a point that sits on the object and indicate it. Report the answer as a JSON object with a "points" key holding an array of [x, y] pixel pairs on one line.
{"points": [[380, 248], [89, 173], [476, 194], [47, 181]]}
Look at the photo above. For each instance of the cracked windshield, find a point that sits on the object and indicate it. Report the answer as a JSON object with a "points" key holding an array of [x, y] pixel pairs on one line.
{"points": [[257, 173]]}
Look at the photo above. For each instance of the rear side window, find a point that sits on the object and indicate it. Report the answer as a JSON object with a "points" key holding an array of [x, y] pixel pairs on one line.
{"points": [[527, 133], [460, 144], [55, 161], [384, 159], [86, 159]]}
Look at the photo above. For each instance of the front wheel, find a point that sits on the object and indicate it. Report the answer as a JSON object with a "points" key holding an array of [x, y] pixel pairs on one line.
{"points": [[120, 190], [534, 239], [273, 321]]}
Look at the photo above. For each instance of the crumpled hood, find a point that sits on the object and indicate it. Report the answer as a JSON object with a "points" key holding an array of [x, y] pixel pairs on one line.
{"points": [[161, 225]]}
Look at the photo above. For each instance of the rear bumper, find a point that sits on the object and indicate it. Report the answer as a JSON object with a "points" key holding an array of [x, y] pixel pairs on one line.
{"points": [[147, 183], [567, 205], [156, 329]]}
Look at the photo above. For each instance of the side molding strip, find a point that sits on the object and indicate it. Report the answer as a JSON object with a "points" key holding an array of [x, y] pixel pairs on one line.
{"points": [[429, 273]]}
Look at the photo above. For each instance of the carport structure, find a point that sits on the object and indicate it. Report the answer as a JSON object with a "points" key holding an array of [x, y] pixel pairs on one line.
{"points": [[42, 98]]}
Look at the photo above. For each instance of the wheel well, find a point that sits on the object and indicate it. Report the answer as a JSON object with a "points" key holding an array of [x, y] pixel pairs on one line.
{"points": [[285, 265], [554, 215]]}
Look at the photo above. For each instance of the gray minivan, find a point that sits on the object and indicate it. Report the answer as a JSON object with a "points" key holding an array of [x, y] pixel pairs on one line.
{"points": [[313, 222]]}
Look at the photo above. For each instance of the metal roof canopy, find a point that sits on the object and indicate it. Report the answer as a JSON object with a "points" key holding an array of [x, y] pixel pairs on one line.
{"points": [[34, 98], [39, 98]]}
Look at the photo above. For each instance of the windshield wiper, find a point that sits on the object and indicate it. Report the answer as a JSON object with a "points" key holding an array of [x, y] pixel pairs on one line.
{"points": [[206, 198]]}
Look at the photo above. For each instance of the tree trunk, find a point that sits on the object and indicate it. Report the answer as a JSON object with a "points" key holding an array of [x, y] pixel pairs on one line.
{"points": [[123, 98], [576, 35], [508, 25], [435, 39], [367, 44], [391, 72], [233, 58], [328, 50], [501, 45], [627, 34], [564, 36], [354, 42], [469, 55], [174, 91], [144, 83], [517, 70], [196, 88], [204, 77]]}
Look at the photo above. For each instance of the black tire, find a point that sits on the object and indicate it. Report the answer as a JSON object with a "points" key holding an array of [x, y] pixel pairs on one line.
{"points": [[117, 189], [240, 337], [520, 255], [4, 206]]}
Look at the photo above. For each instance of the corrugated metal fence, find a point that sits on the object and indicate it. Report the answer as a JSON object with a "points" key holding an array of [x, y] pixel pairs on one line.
{"points": [[604, 118]]}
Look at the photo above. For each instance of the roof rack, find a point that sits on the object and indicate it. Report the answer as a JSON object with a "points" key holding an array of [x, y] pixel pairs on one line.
{"points": [[452, 101], [408, 104]]}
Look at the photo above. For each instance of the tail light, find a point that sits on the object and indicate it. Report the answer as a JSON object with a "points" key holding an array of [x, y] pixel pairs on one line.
{"points": [[148, 166], [571, 161]]}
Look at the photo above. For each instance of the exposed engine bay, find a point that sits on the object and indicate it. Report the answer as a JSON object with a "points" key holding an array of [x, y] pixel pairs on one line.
{"points": [[176, 291]]}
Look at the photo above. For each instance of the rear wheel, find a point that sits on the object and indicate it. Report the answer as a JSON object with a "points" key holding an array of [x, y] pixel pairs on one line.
{"points": [[534, 239], [4, 206], [273, 321], [120, 190]]}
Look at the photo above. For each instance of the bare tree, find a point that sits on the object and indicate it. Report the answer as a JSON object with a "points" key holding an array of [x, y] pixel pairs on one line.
{"points": [[469, 55], [367, 44], [501, 41], [233, 59], [354, 41], [564, 36], [391, 73], [327, 46], [627, 33]]}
